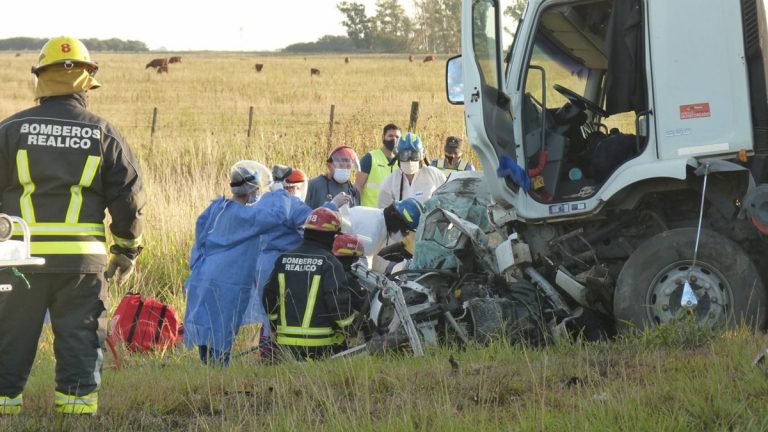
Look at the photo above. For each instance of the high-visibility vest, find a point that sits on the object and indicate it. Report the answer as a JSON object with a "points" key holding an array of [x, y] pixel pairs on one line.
{"points": [[69, 237], [441, 165], [380, 169], [304, 334]]}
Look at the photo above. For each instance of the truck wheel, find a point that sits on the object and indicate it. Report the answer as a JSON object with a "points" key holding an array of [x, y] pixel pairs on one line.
{"points": [[726, 283]]}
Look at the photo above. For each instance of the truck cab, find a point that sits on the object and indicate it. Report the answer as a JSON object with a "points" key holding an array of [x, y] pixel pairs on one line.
{"points": [[592, 97]]}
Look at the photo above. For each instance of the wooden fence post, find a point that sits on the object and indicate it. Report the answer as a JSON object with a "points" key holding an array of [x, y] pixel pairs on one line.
{"points": [[414, 116], [250, 120], [330, 124], [154, 121]]}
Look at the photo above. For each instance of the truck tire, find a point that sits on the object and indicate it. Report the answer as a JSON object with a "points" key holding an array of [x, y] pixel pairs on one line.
{"points": [[724, 279]]}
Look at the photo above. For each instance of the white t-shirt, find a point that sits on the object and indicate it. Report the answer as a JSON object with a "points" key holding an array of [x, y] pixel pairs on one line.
{"points": [[426, 180]]}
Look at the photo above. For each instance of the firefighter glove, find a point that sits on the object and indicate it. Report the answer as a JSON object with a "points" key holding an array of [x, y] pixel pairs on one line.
{"points": [[120, 266]]}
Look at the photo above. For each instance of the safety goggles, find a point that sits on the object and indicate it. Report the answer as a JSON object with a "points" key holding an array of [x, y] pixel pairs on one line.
{"points": [[246, 179], [410, 155]]}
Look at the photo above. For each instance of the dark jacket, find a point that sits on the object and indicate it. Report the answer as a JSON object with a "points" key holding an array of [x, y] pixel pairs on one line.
{"points": [[61, 166], [309, 298]]}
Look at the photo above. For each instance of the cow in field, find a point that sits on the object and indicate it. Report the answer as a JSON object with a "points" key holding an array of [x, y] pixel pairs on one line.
{"points": [[156, 63], [411, 58], [174, 59], [18, 54], [346, 60], [314, 72], [258, 67], [163, 68], [429, 58]]}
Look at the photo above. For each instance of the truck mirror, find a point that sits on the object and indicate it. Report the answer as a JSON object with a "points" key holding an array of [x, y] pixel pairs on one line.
{"points": [[454, 81]]}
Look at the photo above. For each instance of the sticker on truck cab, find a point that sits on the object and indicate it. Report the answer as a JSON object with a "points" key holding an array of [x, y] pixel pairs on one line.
{"points": [[565, 208], [692, 111]]}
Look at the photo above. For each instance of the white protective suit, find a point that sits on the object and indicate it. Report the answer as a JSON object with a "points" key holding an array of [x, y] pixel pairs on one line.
{"points": [[396, 187]]}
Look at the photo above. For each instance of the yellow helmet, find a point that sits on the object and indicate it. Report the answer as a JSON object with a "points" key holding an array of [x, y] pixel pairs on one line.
{"points": [[64, 50]]}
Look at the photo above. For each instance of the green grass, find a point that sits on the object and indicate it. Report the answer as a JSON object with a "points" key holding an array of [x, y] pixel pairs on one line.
{"points": [[640, 383]]}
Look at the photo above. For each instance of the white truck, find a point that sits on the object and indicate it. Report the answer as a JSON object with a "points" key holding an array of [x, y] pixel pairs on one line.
{"points": [[623, 144]]}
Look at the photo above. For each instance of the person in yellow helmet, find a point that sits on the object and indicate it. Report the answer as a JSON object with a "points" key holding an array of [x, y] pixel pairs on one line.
{"points": [[61, 167]]}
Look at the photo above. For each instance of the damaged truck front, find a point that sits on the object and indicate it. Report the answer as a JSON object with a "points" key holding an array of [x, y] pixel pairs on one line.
{"points": [[623, 145]]}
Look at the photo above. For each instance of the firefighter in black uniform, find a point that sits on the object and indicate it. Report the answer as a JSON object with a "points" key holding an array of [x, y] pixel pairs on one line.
{"points": [[308, 296], [60, 168]]}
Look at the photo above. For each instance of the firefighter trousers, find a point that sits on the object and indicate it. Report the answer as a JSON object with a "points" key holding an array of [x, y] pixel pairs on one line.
{"points": [[78, 310]]}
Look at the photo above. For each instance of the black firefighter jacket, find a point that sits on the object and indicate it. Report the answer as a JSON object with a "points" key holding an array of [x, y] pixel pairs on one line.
{"points": [[60, 167], [309, 297]]}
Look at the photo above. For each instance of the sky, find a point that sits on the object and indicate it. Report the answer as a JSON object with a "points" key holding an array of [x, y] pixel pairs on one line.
{"points": [[217, 25]]}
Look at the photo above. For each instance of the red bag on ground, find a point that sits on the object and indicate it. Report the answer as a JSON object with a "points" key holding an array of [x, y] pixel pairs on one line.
{"points": [[145, 324]]}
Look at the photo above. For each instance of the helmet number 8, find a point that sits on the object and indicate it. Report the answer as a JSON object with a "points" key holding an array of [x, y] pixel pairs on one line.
{"points": [[313, 218], [66, 47]]}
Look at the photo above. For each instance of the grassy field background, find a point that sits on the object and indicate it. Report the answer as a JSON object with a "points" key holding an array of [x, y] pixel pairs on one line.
{"points": [[669, 379]]}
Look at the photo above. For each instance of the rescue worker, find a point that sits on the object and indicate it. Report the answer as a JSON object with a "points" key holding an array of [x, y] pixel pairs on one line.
{"points": [[229, 245], [376, 165], [296, 184], [278, 239], [414, 178], [452, 162], [385, 227], [342, 161], [61, 167], [308, 294]]}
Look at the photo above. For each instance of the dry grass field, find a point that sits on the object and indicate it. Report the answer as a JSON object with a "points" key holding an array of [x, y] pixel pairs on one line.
{"points": [[670, 379]]}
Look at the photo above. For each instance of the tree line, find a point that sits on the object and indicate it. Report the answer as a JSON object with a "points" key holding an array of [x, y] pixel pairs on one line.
{"points": [[34, 44], [435, 27]]}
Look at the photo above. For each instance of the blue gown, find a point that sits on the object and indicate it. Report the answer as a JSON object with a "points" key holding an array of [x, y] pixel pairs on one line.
{"points": [[226, 248], [273, 243]]}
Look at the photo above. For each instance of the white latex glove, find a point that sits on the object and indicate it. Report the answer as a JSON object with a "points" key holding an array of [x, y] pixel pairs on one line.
{"points": [[341, 199]]}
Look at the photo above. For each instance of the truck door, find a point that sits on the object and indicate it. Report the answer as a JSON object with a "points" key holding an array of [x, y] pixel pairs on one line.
{"points": [[487, 107]]}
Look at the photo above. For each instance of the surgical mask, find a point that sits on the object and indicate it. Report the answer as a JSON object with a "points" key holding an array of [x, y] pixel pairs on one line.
{"points": [[253, 199], [341, 175], [410, 167], [389, 144]]}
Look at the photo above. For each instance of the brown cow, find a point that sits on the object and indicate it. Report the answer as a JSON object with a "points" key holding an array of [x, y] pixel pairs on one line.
{"points": [[258, 67], [156, 63], [174, 59], [18, 54], [314, 72], [163, 68], [346, 60], [410, 58], [429, 58]]}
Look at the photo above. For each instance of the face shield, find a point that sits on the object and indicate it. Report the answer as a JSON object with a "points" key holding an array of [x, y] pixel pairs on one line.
{"points": [[298, 189], [244, 178]]}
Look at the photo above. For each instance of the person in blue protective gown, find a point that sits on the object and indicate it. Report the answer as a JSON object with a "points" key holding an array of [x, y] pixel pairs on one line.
{"points": [[223, 261]]}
